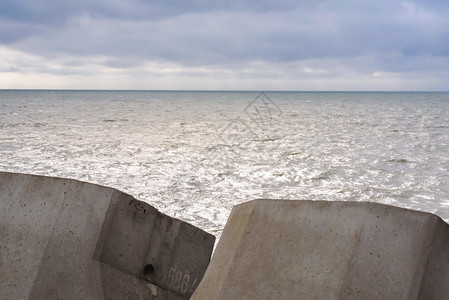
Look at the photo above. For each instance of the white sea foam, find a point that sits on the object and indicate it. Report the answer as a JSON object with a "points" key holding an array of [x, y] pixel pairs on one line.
{"points": [[193, 155]]}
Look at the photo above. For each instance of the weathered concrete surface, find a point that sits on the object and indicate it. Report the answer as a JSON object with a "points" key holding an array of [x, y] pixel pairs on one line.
{"points": [[67, 239], [276, 249]]}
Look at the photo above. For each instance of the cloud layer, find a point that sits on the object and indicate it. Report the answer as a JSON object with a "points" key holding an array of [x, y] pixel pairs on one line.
{"points": [[326, 45]]}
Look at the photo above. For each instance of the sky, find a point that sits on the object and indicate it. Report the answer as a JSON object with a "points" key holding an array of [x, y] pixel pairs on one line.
{"points": [[339, 45]]}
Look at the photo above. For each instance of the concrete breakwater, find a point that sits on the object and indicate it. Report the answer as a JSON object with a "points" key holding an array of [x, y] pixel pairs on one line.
{"points": [[66, 239], [276, 249]]}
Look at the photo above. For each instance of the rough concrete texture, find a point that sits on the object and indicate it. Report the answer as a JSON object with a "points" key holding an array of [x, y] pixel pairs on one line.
{"points": [[276, 249], [66, 239]]}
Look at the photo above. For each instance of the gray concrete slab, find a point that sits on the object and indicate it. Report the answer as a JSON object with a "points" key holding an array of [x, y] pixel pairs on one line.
{"points": [[67, 239], [280, 249]]}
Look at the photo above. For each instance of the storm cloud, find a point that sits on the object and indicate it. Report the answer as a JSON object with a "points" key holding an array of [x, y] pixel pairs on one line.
{"points": [[295, 45]]}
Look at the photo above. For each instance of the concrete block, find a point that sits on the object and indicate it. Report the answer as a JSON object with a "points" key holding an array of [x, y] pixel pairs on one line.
{"points": [[67, 239], [280, 249]]}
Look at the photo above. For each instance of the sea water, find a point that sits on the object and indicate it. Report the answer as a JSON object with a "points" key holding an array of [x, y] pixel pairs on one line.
{"points": [[193, 155]]}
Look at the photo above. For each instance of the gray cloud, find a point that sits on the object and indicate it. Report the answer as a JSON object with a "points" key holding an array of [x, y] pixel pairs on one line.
{"points": [[363, 36]]}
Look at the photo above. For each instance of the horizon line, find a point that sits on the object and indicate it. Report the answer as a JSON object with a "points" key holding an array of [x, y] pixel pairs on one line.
{"points": [[241, 91]]}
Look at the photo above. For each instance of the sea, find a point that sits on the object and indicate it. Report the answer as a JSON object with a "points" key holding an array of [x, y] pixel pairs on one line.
{"points": [[195, 154]]}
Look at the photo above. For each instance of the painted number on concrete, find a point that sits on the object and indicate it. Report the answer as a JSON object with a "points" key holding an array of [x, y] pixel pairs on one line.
{"points": [[180, 281]]}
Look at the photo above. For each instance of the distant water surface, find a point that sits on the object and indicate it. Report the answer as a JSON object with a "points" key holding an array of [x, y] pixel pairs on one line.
{"points": [[194, 155]]}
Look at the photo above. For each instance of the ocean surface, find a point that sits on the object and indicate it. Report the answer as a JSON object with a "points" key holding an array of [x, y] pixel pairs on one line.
{"points": [[193, 155]]}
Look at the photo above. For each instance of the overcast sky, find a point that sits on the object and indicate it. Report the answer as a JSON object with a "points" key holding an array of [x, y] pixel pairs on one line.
{"points": [[225, 45]]}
